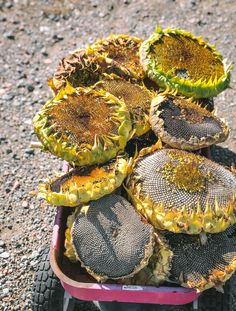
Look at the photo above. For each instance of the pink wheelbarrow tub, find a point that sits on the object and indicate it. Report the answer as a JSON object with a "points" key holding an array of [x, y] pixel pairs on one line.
{"points": [[80, 285]]}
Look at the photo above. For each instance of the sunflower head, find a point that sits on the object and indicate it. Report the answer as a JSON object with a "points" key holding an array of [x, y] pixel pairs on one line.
{"points": [[182, 123], [202, 266], [109, 238], [175, 58], [124, 51], [136, 97], [83, 68], [183, 192], [83, 126], [84, 184]]}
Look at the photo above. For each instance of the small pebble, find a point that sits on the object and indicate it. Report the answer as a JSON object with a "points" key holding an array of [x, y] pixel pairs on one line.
{"points": [[30, 87], [16, 157], [47, 61], [8, 151], [29, 151], [3, 19], [34, 254], [4, 255], [9, 36], [44, 29], [2, 243], [5, 291], [8, 5], [57, 38], [24, 204]]}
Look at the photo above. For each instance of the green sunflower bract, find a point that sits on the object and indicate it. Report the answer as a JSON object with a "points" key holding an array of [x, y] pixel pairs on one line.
{"points": [[176, 59], [83, 126]]}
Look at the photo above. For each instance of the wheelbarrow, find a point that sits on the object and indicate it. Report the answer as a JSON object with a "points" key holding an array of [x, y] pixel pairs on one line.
{"points": [[61, 285]]}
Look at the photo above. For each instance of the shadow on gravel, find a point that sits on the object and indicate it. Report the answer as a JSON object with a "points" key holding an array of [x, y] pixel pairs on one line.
{"points": [[223, 156]]}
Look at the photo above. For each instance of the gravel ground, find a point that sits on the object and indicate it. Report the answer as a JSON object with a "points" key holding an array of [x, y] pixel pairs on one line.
{"points": [[34, 35]]}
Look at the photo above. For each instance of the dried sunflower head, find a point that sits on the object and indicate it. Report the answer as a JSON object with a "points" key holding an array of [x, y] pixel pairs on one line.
{"points": [[84, 68], [109, 238], [183, 192], [124, 50], [84, 184], [199, 266], [83, 126], [136, 97], [158, 269], [175, 58], [182, 123]]}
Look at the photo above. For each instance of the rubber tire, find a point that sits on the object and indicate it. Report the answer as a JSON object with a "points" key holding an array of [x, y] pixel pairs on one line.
{"points": [[47, 293]]}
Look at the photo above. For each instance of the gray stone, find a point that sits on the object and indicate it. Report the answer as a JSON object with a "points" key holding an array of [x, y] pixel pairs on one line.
{"points": [[30, 87], [9, 36], [29, 151], [4, 255], [5, 291], [34, 254]]}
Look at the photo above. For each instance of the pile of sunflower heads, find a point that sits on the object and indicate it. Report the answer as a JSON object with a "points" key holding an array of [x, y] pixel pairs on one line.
{"points": [[134, 119]]}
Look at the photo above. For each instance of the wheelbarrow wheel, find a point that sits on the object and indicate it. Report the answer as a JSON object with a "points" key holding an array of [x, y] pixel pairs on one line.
{"points": [[48, 293]]}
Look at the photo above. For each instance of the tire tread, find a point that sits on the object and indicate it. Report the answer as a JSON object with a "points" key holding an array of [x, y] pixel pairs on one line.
{"points": [[47, 293]]}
